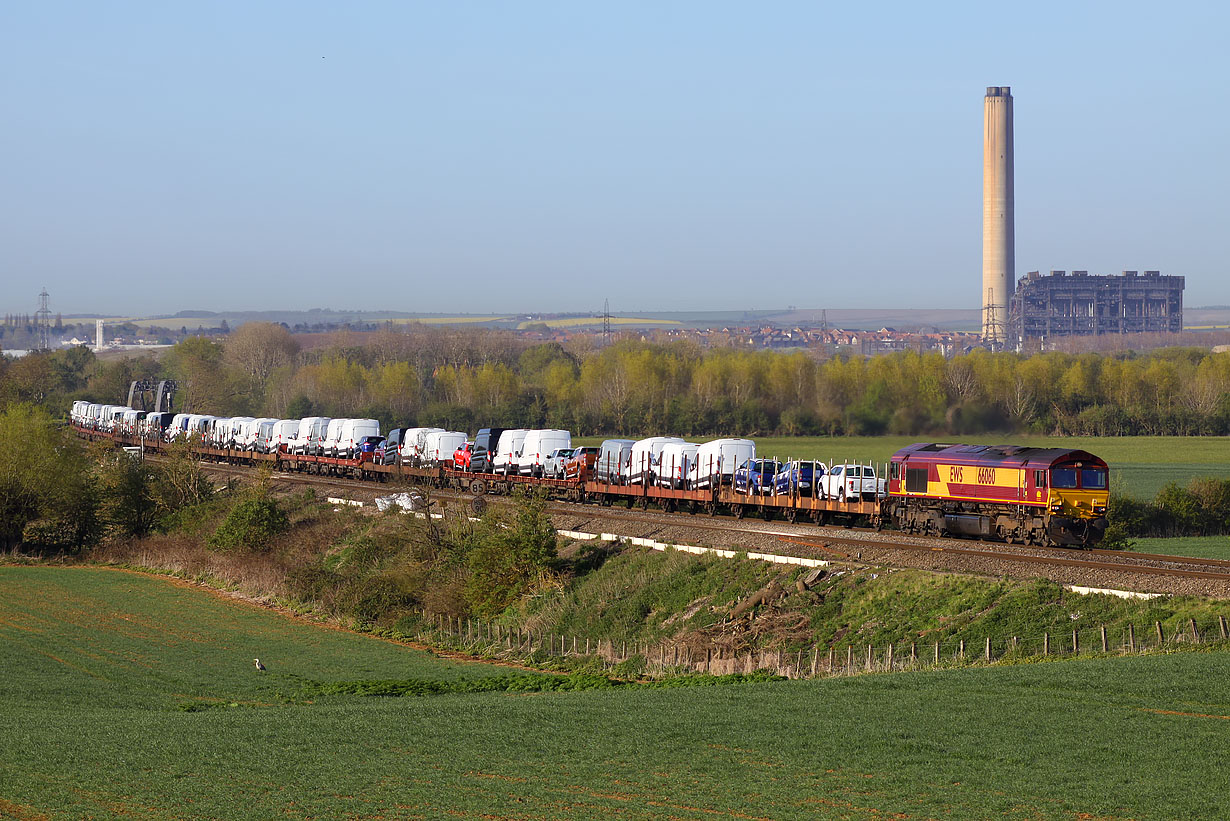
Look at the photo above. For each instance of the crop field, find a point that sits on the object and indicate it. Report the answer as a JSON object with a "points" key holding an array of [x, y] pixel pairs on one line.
{"points": [[1201, 547], [447, 320], [124, 695], [587, 321]]}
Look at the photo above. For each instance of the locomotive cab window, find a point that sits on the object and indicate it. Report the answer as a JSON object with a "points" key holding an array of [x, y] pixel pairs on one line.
{"points": [[1064, 478], [894, 470], [1093, 479], [1040, 479]]}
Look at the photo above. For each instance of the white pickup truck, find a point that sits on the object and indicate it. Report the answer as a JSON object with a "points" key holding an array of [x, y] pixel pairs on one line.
{"points": [[852, 482]]}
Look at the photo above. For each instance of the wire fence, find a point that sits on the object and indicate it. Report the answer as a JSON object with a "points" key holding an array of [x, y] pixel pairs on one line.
{"points": [[660, 658]]}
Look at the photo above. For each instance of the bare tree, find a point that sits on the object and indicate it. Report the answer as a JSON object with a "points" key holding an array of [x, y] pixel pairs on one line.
{"points": [[259, 348]]}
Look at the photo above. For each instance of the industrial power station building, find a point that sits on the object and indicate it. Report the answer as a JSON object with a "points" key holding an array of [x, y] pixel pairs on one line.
{"points": [[1076, 304], [1045, 307]]}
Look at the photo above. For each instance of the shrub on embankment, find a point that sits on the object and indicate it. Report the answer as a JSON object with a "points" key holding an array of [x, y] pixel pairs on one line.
{"points": [[1200, 509]]}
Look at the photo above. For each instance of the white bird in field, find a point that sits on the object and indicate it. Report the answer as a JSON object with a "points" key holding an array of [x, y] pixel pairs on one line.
{"points": [[259, 666]]}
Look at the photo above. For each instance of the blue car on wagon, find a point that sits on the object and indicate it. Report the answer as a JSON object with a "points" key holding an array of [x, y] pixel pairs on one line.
{"points": [[756, 476], [797, 478]]}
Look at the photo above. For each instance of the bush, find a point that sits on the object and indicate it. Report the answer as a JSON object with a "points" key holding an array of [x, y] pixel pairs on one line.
{"points": [[509, 562], [127, 506], [48, 499], [253, 523], [374, 598]]}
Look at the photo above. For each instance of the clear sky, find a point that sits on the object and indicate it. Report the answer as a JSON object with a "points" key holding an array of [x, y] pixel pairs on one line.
{"points": [[517, 156]]}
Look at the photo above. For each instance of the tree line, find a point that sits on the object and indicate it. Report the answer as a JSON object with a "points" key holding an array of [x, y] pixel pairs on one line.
{"points": [[469, 379]]}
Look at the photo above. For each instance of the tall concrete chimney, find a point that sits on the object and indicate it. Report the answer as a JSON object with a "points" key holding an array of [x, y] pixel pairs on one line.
{"points": [[998, 236]]}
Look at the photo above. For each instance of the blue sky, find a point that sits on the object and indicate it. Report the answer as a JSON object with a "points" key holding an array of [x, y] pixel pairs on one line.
{"points": [[492, 157]]}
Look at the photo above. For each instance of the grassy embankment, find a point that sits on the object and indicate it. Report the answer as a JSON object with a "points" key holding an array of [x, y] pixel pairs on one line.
{"points": [[648, 596], [100, 666], [376, 571]]}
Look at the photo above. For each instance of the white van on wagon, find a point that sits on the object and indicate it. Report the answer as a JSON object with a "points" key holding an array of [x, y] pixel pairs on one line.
{"points": [[310, 428], [643, 465], [675, 464], [438, 446], [413, 444], [537, 446], [715, 462], [353, 431], [283, 433], [509, 451], [328, 443]]}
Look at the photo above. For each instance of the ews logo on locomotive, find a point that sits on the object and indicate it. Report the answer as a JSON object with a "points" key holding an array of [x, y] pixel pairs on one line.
{"points": [[985, 476]]}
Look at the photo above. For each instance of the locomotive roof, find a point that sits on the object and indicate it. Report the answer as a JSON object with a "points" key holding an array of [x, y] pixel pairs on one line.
{"points": [[981, 454]]}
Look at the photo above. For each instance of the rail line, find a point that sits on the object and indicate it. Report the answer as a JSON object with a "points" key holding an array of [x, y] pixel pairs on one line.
{"points": [[824, 541]]}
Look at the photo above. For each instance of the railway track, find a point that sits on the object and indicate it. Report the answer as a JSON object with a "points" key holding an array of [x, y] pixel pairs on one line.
{"points": [[853, 545]]}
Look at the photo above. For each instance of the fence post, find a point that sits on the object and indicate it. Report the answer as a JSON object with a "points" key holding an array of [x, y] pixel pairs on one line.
{"points": [[1046, 643], [1161, 637], [815, 659], [832, 652], [988, 648], [913, 652], [1131, 637], [1076, 647], [1221, 622], [869, 651], [888, 662], [937, 653], [587, 645], [961, 650], [850, 659], [1195, 632]]}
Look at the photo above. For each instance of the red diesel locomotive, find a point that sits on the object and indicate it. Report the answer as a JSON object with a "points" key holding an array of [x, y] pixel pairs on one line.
{"points": [[1018, 494]]}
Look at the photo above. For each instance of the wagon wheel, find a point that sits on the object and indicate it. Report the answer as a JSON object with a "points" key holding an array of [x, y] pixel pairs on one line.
{"points": [[478, 487], [711, 508], [643, 503], [737, 510], [766, 513], [792, 515]]}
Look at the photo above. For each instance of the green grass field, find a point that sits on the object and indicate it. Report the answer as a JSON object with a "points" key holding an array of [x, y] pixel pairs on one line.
{"points": [[1140, 465], [97, 666], [1201, 547]]}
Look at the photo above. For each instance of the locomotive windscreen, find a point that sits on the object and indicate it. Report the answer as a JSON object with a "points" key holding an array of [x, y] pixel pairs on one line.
{"points": [[1093, 479]]}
